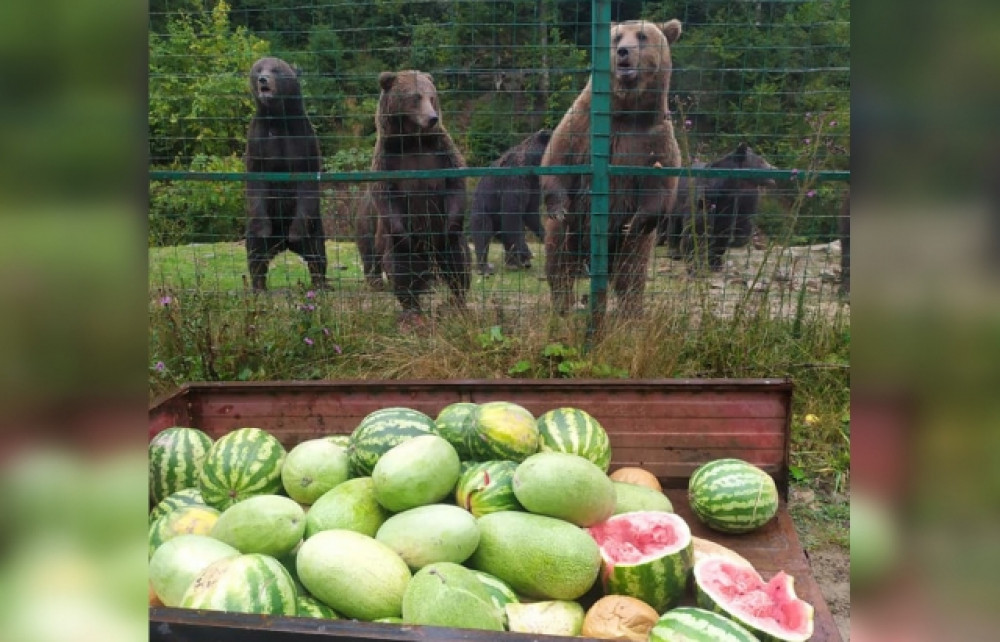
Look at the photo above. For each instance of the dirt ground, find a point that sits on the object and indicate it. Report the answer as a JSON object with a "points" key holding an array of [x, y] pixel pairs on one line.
{"points": [[832, 570]]}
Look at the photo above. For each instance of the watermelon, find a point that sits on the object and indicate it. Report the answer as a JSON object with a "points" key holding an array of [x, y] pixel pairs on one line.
{"points": [[456, 423], [501, 594], [646, 555], [697, 625], [175, 458], [564, 486], [486, 487], [382, 430], [732, 496], [241, 464], [186, 497], [339, 440], [769, 610], [306, 606], [503, 430], [312, 468], [574, 431], [194, 519], [179, 561], [252, 583]]}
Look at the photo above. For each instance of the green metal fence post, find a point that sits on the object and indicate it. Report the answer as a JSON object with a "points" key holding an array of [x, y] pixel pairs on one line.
{"points": [[600, 152]]}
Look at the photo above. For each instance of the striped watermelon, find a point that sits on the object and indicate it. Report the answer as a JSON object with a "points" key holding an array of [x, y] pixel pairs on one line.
{"points": [[769, 610], [504, 431], [194, 519], [340, 440], [456, 423], [487, 487], [574, 431], [175, 458], [382, 430], [697, 625], [252, 583], [501, 594], [306, 606], [646, 555], [186, 497], [241, 464], [732, 496]]}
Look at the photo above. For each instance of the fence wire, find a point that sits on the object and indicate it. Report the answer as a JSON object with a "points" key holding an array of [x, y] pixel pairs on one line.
{"points": [[759, 102]]}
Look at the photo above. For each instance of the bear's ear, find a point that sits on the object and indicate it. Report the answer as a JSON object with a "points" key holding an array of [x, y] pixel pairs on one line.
{"points": [[672, 30], [741, 150], [386, 79]]}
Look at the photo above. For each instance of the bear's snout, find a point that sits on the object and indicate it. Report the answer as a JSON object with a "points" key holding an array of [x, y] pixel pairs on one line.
{"points": [[623, 53], [432, 120]]}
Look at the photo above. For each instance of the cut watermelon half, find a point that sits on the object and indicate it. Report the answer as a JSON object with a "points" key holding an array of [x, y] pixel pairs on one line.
{"points": [[770, 610], [646, 555]]}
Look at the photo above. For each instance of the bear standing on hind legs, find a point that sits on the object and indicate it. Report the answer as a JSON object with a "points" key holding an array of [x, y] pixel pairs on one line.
{"points": [[641, 135], [418, 222], [282, 215]]}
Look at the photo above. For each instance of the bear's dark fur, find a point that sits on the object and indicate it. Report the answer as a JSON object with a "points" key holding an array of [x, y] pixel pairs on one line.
{"points": [[713, 214], [282, 215], [641, 134], [505, 205], [417, 222]]}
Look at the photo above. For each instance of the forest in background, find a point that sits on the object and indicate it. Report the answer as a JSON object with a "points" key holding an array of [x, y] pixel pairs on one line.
{"points": [[776, 74]]}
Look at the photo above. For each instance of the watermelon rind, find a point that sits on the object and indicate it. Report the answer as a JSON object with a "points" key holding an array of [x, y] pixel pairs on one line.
{"points": [[456, 423], [487, 487], [306, 606], [382, 430], [501, 594], [251, 583], [503, 431], [574, 431], [186, 497], [660, 579], [765, 629], [732, 496], [175, 459], [241, 464], [697, 625]]}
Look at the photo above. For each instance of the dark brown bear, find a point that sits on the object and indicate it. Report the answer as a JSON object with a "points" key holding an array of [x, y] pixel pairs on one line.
{"points": [[504, 205], [282, 215], [715, 213], [641, 135], [418, 222]]}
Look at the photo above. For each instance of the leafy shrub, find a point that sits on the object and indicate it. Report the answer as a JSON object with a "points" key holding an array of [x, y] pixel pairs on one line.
{"points": [[188, 211]]}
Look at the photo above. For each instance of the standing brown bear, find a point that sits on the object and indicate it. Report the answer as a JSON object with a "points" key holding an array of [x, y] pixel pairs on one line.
{"points": [[282, 215], [641, 135], [418, 222]]}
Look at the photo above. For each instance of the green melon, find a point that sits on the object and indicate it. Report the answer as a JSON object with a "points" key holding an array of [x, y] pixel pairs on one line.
{"points": [[539, 557], [631, 497], [446, 594], [769, 610], [241, 464], [501, 594], [732, 496], [422, 470], [344, 441], [192, 519], [487, 487], [457, 424], [645, 555], [268, 524], [243, 584], [314, 467], [175, 459], [571, 430], [356, 575], [186, 497], [179, 561], [697, 625], [565, 486], [306, 606], [382, 430], [503, 431], [429, 534], [350, 506]]}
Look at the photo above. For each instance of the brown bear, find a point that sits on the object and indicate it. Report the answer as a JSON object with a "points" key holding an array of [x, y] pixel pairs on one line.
{"points": [[282, 215], [642, 134], [417, 222], [504, 205]]}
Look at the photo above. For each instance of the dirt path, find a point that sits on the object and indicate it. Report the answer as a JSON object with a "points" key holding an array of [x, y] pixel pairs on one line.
{"points": [[831, 568]]}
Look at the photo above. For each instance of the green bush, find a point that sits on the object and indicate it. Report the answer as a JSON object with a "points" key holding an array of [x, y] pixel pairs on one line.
{"points": [[198, 211]]}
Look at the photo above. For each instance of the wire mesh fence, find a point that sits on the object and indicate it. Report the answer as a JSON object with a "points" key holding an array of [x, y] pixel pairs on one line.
{"points": [[487, 182]]}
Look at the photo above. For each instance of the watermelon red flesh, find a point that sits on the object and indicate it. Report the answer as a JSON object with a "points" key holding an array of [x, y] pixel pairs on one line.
{"points": [[646, 555], [771, 608]]}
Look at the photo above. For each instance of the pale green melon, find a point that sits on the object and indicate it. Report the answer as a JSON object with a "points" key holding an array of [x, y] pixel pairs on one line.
{"points": [[632, 497], [446, 594], [178, 561], [429, 534], [314, 467], [349, 506], [565, 486], [421, 470], [551, 617], [267, 524]]}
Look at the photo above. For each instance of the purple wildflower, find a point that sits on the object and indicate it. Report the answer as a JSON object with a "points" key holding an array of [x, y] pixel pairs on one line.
{"points": [[310, 294], [308, 341], [833, 123], [160, 366], [806, 140], [166, 300], [326, 332], [687, 124], [811, 193], [337, 349]]}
